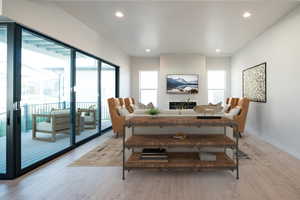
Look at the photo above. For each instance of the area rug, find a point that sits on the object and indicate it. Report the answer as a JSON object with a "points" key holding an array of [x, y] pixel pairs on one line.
{"points": [[243, 155], [107, 154]]}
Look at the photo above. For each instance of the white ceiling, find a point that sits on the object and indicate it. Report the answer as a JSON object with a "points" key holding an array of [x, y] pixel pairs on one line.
{"points": [[178, 27]]}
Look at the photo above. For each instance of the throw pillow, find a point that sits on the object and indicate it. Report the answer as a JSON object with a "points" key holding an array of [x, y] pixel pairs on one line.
{"points": [[233, 112], [139, 111], [123, 111], [141, 106], [150, 105], [226, 108], [218, 104]]}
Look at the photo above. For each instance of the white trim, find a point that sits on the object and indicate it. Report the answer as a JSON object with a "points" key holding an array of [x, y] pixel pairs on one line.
{"points": [[275, 143]]}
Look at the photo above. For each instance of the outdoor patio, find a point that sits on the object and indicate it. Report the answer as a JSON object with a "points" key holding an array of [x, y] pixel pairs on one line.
{"points": [[34, 150]]}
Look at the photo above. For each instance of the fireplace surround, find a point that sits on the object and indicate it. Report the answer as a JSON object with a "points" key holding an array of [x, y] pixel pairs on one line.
{"points": [[182, 105]]}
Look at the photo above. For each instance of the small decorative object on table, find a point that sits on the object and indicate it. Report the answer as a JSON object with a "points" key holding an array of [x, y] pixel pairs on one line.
{"points": [[180, 136], [153, 112]]}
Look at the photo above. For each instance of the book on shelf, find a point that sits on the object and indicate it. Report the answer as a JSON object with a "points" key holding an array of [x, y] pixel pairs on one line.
{"points": [[154, 151], [155, 160], [154, 155], [207, 156]]}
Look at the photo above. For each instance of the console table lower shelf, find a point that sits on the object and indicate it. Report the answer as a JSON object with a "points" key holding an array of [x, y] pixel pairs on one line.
{"points": [[184, 160]]}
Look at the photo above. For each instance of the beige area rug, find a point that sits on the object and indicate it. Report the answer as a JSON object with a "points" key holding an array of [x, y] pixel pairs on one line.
{"points": [[107, 154]]}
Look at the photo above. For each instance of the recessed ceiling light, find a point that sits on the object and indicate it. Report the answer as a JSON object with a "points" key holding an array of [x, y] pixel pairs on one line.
{"points": [[247, 14], [218, 50], [119, 14], [148, 50]]}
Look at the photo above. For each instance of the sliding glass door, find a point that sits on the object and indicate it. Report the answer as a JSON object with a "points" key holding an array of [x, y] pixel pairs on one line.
{"points": [[45, 98], [86, 96], [3, 90], [108, 90], [49, 98]]}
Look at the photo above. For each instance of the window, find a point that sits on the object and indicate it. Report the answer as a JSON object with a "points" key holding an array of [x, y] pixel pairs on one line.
{"points": [[216, 86], [148, 87]]}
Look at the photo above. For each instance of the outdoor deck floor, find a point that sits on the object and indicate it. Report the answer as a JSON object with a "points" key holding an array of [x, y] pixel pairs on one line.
{"points": [[34, 150]]}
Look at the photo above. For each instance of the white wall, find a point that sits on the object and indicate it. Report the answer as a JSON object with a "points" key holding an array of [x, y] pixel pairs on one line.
{"points": [[140, 64], [221, 63], [276, 121], [51, 20], [1, 7], [182, 64], [178, 64]]}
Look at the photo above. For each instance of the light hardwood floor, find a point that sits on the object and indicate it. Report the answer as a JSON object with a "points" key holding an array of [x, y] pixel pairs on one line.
{"points": [[270, 174]]}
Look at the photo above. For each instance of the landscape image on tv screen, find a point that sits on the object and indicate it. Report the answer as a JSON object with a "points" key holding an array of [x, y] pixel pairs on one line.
{"points": [[182, 83]]}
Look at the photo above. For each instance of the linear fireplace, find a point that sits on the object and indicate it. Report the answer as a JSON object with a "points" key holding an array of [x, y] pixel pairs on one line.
{"points": [[182, 105]]}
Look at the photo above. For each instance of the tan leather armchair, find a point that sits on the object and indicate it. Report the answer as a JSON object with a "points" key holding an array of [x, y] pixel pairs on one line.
{"points": [[129, 103], [116, 119], [241, 118], [121, 101]]}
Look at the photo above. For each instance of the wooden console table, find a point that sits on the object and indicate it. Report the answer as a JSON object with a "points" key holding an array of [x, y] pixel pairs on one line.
{"points": [[181, 159]]}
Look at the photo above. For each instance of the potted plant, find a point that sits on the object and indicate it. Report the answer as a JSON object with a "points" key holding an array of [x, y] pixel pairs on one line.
{"points": [[153, 112]]}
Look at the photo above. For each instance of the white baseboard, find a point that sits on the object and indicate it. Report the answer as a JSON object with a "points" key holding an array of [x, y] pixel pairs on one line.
{"points": [[277, 144]]}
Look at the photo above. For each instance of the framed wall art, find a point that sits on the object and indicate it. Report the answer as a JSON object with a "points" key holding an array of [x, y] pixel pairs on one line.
{"points": [[255, 83]]}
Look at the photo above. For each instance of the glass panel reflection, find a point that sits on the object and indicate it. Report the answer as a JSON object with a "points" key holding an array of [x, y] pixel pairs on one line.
{"points": [[108, 90], [45, 102], [3, 85], [86, 96]]}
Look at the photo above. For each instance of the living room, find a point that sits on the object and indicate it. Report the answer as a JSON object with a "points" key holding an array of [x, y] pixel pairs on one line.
{"points": [[90, 90]]}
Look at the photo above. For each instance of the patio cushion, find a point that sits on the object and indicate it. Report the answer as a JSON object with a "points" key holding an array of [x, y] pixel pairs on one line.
{"points": [[44, 126], [89, 118]]}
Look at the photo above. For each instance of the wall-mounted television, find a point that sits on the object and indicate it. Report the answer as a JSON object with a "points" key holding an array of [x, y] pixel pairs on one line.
{"points": [[182, 83]]}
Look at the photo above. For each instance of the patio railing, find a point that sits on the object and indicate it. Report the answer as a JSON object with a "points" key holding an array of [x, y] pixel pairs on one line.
{"points": [[29, 109]]}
